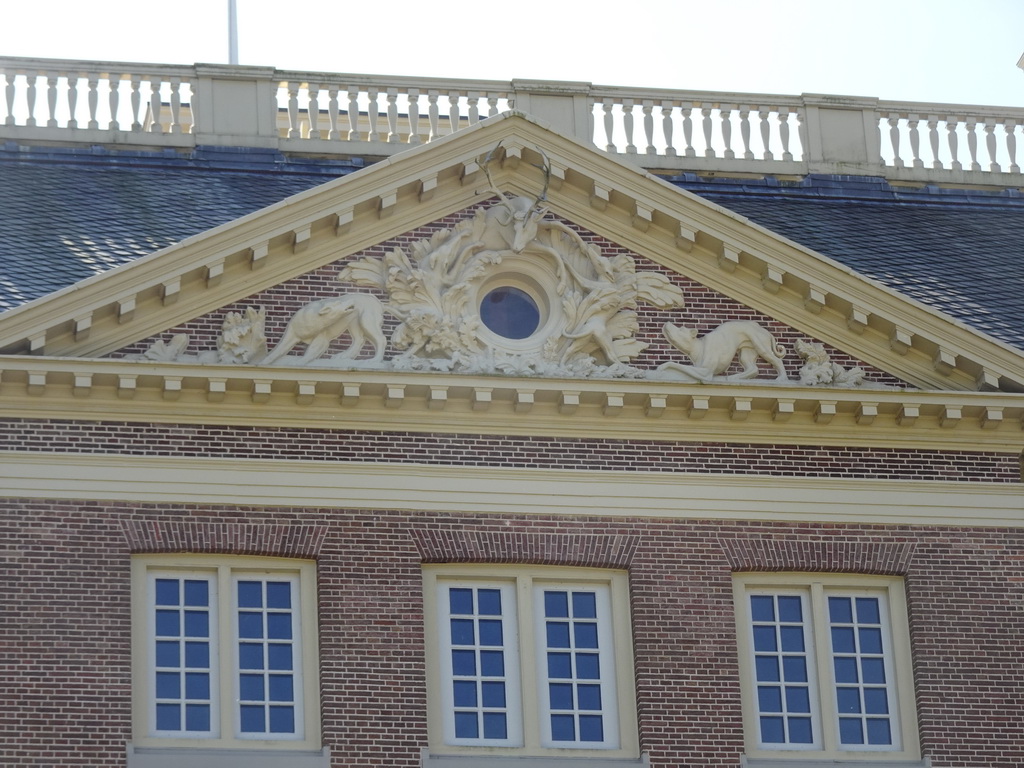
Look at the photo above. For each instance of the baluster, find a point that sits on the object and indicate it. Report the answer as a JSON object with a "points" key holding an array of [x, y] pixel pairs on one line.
{"points": [[915, 141], [332, 113], [725, 115], [473, 100], [392, 98], [745, 132], [784, 133], [801, 130], [51, 100], [1011, 144], [972, 143], [688, 131], [414, 115], [894, 139], [30, 98], [609, 125], [766, 133], [72, 100], [453, 110], [135, 100], [94, 96], [933, 139], [627, 124], [433, 115], [709, 151], [175, 126], [155, 107], [9, 75], [953, 139], [292, 89], [113, 81], [648, 110], [990, 143], [313, 110], [666, 128], [492, 104], [353, 113], [373, 112]]}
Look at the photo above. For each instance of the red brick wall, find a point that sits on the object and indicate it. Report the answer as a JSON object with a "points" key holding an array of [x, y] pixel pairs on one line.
{"points": [[65, 621]]}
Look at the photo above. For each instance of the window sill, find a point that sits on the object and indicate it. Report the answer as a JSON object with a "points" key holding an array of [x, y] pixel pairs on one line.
{"points": [[869, 760], [184, 757], [511, 761]]}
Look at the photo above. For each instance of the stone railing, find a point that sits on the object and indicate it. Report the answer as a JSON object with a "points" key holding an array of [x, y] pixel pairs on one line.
{"points": [[150, 105]]}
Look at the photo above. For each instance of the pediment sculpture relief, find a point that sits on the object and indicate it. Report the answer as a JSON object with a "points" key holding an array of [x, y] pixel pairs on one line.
{"points": [[712, 354]]}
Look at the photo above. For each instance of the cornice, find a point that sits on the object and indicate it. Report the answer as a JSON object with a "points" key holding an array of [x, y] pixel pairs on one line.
{"points": [[318, 398]]}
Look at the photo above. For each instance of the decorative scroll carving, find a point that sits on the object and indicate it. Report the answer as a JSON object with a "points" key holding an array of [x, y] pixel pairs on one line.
{"points": [[819, 369], [318, 323], [713, 353]]}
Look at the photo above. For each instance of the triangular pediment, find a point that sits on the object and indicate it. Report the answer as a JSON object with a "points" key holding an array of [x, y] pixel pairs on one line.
{"points": [[620, 252]]}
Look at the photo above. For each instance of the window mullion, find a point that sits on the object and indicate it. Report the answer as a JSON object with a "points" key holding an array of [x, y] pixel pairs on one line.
{"points": [[226, 650], [826, 689], [530, 683]]}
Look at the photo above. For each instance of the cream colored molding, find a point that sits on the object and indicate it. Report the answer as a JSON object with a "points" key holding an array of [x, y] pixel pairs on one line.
{"points": [[433, 488], [817, 296]]}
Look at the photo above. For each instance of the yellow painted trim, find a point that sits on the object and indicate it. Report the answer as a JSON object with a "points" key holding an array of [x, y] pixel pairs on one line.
{"points": [[461, 489]]}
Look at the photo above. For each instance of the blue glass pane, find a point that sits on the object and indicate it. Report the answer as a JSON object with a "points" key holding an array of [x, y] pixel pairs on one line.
{"points": [[873, 670], [282, 719], [167, 654], [466, 726], [762, 608], [848, 700], [797, 699], [584, 605], [767, 669], [168, 685], [495, 725], [463, 632], [250, 687], [490, 632], [279, 594], [250, 656], [492, 663], [563, 728], [280, 656], [253, 720], [588, 697], [282, 688], [846, 670], [464, 693], [795, 669], [250, 624], [586, 635], [879, 731], [464, 663], [842, 640], [870, 640], [772, 731], [250, 595], [167, 594], [197, 624], [792, 638], [460, 601], [558, 634], [168, 717], [769, 698], [556, 604], [591, 728], [764, 639], [560, 695], [493, 694], [279, 626], [850, 731], [867, 610], [197, 717], [800, 730], [197, 685], [197, 593], [876, 701], [840, 610], [559, 665], [588, 666], [197, 655], [167, 624], [510, 312], [791, 609], [489, 602]]}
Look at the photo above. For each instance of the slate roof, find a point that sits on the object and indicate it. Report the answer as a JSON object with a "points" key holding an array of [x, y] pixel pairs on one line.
{"points": [[67, 214]]}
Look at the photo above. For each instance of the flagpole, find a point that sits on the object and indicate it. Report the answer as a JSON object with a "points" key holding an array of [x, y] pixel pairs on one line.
{"points": [[232, 32]]}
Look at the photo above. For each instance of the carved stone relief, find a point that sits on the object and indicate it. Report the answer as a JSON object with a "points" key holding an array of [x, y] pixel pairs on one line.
{"points": [[714, 353]]}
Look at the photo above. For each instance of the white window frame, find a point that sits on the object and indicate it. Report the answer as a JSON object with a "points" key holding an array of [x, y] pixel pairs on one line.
{"points": [[223, 573], [815, 590], [527, 693]]}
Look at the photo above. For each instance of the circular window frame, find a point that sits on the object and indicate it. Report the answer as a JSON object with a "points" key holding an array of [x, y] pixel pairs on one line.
{"points": [[536, 280]]}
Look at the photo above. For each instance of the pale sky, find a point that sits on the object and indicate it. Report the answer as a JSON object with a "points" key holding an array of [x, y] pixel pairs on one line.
{"points": [[955, 51]]}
